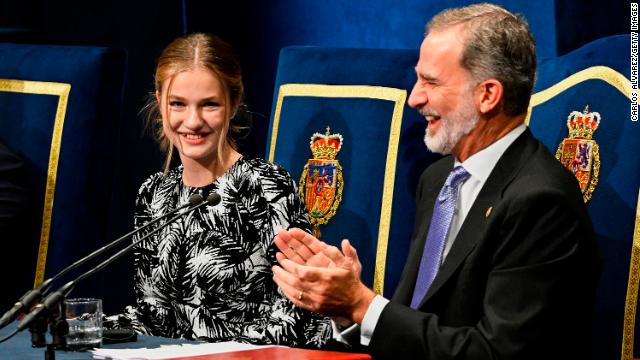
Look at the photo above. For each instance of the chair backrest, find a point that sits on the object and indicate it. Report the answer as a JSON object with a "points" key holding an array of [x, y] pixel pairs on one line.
{"points": [[361, 95], [605, 160], [60, 110]]}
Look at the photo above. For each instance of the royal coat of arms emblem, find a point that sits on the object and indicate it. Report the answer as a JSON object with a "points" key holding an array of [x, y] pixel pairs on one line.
{"points": [[579, 152], [321, 181]]}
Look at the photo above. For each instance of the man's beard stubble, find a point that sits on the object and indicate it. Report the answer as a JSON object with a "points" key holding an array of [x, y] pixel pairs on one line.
{"points": [[452, 127]]}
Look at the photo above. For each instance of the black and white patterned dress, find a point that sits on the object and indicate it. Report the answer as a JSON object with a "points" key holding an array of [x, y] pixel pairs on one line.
{"points": [[208, 275]]}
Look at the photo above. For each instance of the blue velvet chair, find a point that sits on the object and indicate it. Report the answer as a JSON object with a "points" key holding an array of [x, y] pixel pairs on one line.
{"points": [[361, 94], [597, 75], [60, 110]]}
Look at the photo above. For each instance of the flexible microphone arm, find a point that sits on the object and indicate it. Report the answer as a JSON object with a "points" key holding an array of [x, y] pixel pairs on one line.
{"points": [[57, 296], [34, 295]]}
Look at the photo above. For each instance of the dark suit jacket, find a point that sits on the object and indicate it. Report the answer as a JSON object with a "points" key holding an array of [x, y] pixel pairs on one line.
{"points": [[519, 281]]}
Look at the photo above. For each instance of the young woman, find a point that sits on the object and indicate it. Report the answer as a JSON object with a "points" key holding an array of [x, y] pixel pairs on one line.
{"points": [[208, 275]]}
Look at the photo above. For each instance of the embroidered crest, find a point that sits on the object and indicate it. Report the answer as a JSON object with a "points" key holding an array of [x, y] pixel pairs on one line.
{"points": [[321, 181], [579, 152]]}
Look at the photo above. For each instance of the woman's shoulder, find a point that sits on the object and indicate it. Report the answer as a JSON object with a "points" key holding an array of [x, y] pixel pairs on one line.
{"points": [[264, 169], [263, 177], [158, 179]]}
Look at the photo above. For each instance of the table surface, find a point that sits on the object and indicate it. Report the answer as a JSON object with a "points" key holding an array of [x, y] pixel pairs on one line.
{"points": [[19, 347]]}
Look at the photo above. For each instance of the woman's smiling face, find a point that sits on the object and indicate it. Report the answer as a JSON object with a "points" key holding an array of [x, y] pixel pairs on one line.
{"points": [[194, 111]]}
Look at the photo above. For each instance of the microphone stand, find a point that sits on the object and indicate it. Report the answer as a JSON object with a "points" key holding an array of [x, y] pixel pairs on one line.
{"points": [[58, 328], [35, 295], [53, 300]]}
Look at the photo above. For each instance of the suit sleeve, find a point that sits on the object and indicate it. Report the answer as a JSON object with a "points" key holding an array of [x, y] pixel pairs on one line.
{"points": [[537, 263]]}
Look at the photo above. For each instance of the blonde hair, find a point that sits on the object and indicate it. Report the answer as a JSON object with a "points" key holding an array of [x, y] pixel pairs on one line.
{"points": [[497, 45], [187, 53]]}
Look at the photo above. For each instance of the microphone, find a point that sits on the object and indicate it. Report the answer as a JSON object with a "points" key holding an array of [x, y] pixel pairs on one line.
{"points": [[213, 198], [49, 303], [32, 296], [56, 297], [28, 299]]}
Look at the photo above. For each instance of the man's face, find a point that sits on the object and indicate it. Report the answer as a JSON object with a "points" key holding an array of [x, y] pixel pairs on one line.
{"points": [[443, 91]]}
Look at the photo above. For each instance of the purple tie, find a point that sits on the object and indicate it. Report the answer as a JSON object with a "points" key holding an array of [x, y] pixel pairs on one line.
{"points": [[437, 235]]}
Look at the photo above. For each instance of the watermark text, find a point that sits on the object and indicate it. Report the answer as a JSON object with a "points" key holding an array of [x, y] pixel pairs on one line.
{"points": [[634, 60]]}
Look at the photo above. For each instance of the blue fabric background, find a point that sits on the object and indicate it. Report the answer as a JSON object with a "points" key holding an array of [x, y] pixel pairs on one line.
{"points": [[613, 206], [365, 125], [257, 30], [86, 163]]}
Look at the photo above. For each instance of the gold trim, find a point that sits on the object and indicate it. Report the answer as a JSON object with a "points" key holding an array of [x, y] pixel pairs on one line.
{"points": [[603, 73], [596, 172], [398, 96], [62, 91], [632, 291]]}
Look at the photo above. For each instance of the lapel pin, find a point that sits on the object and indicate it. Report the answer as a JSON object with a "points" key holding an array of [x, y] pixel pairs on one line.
{"points": [[489, 209]]}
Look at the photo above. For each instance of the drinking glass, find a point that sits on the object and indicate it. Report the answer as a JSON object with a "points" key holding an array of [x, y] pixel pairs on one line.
{"points": [[84, 316]]}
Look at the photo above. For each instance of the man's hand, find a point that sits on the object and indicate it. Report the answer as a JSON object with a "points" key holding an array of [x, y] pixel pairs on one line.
{"points": [[318, 277], [301, 247]]}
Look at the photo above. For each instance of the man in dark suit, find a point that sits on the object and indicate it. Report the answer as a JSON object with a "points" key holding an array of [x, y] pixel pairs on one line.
{"points": [[503, 262]]}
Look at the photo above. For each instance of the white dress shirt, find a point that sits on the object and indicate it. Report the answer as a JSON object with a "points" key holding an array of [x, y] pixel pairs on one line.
{"points": [[479, 166]]}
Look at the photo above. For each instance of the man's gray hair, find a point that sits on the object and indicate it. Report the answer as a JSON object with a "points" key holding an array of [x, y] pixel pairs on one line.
{"points": [[497, 45]]}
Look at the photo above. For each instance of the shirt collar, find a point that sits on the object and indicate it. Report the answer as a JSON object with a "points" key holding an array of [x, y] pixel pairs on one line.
{"points": [[480, 164]]}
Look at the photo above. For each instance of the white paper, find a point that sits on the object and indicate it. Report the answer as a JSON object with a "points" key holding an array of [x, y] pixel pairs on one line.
{"points": [[173, 351]]}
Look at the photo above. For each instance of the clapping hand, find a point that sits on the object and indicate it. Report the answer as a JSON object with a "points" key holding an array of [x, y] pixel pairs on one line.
{"points": [[319, 277]]}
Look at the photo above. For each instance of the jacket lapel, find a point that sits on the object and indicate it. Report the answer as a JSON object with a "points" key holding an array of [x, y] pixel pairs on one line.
{"points": [[474, 226]]}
